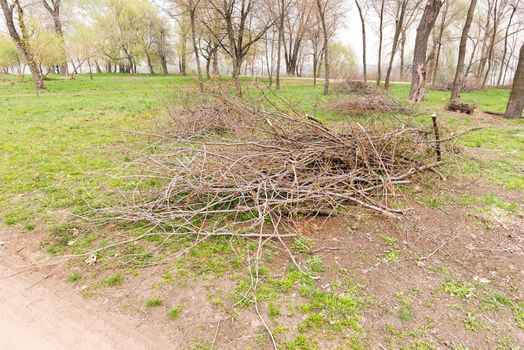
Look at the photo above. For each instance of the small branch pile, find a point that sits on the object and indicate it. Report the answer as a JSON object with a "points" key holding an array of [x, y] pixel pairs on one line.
{"points": [[201, 116], [461, 107], [355, 87], [362, 104], [469, 85], [288, 166]]}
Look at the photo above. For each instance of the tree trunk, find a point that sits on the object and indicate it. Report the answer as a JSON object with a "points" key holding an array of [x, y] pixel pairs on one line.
{"points": [[98, 69], [516, 99], [54, 11], [503, 59], [215, 62], [402, 55], [322, 15], [150, 64], [399, 23], [163, 62], [492, 44], [427, 23], [363, 24], [439, 43], [192, 15], [459, 73], [380, 40], [483, 54], [208, 69], [279, 44]]}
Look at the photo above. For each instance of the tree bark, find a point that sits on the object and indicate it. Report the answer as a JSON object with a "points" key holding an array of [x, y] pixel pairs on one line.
{"points": [[215, 62], [150, 63], [364, 54], [483, 53], [459, 73], [427, 23], [516, 99], [279, 44], [492, 44], [192, 17], [439, 43], [322, 15], [380, 40], [503, 59], [399, 23]]}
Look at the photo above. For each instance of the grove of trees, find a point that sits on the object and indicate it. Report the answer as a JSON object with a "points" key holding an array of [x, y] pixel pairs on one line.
{"points": [[428, 42]]}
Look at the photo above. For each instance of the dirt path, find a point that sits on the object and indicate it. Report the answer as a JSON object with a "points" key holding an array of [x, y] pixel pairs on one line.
{"points": [[37, 313]]}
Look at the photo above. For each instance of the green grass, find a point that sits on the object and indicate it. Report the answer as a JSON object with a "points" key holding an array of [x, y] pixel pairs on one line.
{"points": [[74, 276], [152, 302], [173, 313], [49, 143], [114, 280], [462, 290], [54, 144]]}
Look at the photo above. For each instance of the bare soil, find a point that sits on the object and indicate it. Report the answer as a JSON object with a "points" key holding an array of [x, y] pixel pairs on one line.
{"points": [[38, 311]]}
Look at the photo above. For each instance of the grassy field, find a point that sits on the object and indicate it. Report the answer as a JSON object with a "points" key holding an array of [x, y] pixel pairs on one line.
{"points": [[50, 142], [54, 148]]}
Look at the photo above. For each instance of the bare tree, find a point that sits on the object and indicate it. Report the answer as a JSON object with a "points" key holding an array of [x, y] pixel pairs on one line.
{"points": [[419, 70], [192, 6], [282, 11], [459, 73], [497, 14], [245, 24], [399, 23], [21, 37], [516, 99], [411, 16], [297, 18], [364, 53], [506, 38], [162, 46], [321, 7], [53, 7], [380, 40]]}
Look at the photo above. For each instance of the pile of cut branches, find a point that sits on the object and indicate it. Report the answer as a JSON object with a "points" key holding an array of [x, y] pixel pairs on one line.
{"points": [[202, 116], [469, 85], [461, 107], [287, 167], [373, 103], [356, 87]]}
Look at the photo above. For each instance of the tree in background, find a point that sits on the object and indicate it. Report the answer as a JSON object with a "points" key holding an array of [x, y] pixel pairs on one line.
{"points": [[362, 17], [9, 56], [21, 37], [401, 6], [379, 8], [459, 72], [322, 7], [516, 99], [53, 7], [245, 22], [419, 70]]}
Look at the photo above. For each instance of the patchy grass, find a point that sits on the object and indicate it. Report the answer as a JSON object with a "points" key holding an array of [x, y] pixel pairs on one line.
{"points": [[114, 280], [52, 142], [74, 277], [153, 302], [462, 290], [174, 312]]}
